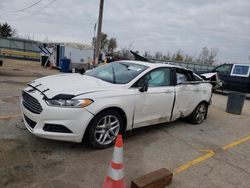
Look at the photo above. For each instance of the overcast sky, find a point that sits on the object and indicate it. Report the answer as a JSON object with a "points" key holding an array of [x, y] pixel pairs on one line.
{"points": [[144, 25]]}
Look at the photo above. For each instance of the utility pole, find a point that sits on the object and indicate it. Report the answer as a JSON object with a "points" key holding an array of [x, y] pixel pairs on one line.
{"points": [[99, 30], [94, 42]]}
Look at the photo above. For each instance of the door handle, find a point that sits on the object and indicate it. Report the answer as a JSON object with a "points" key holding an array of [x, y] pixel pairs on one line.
{"points": [[168, 91], [197, 90]]}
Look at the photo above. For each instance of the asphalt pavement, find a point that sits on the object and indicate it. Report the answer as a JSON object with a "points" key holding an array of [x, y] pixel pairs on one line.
{"points": [[213, 154]]}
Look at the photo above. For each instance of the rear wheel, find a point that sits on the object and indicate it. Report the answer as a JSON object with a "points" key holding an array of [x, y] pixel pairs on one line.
{"points": [[199, 114], [104, 129]]}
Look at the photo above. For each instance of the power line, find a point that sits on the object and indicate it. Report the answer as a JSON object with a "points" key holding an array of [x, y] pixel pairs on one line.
{"points": [[23, 9], [34, 13]]}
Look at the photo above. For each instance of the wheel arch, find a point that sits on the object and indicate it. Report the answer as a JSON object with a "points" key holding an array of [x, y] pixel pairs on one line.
{"points": [[206, 103], [115, 108]]}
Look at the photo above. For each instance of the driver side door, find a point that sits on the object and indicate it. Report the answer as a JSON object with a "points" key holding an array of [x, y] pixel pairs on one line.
{"points": [[154, 105]]}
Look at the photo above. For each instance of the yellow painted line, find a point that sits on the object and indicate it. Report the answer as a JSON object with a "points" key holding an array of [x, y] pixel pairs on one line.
{"points": [[19, 53], [235, 143], [209, 154], [186, 166], [10, 117]]}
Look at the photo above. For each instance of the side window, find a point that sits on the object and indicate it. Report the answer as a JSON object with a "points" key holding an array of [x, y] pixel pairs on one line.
{"points": [[241, 70], [223, 69], [183, 76], [157, 78]]}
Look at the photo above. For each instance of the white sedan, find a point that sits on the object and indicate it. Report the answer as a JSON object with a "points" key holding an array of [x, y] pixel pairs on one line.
{"points": [[111, 99]]}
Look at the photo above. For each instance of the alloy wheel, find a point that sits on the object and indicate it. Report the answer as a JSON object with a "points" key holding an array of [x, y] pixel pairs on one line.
{"points": [[107, 129], [201, 113]]}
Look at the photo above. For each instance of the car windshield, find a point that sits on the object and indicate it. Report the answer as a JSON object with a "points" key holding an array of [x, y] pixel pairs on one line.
{"points": [[117, 72]]}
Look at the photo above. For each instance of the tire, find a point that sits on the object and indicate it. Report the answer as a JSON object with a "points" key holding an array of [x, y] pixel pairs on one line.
{"points": [[104, 128], [199, 114]]}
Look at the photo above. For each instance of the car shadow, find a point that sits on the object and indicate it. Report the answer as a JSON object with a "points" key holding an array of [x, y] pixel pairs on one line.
{"points": [[156, 127], [47, 146]]}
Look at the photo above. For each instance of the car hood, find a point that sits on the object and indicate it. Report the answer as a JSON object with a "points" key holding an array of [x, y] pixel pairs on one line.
{"points": [[70, 84]]}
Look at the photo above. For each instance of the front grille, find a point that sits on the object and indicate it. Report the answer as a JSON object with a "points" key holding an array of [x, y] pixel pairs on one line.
{"points": [[31, 103], [31, 123]]}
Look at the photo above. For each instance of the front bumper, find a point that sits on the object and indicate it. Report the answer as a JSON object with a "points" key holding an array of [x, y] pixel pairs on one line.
{"points": [[74, 119]]}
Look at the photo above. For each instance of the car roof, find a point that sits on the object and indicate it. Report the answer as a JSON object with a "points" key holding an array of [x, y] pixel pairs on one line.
{"points": [[149, 64], [241, 64], [246, 64]]}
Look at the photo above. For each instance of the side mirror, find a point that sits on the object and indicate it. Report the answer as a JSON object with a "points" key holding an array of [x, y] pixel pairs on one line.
{"points": [[144, 87]]}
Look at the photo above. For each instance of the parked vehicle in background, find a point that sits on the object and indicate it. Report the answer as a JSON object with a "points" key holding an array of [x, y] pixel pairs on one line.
{"points": [[111, 99], [234, 77]]}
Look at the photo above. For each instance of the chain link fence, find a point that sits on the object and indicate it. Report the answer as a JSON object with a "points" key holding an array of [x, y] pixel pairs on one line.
{"points": [[188, 65]]}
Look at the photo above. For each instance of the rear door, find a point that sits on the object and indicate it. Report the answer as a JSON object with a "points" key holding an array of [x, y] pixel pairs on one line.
{"points": [[154, 105], [188, 94]]}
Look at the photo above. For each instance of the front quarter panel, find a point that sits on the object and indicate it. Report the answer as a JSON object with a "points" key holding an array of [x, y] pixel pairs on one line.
{"points": [[121, 98]]}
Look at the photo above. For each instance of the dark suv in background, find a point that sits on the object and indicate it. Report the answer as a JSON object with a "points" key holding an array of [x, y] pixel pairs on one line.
{"points": [[234, 76]]}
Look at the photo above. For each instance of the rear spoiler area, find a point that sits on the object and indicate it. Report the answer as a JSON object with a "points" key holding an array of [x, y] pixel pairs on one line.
{"points": [[212, 78]]}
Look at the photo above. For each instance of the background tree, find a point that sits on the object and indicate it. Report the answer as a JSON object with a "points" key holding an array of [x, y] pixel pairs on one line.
{"points": [[212, 55], [167, 57], [112, 45], [203, 57], [188, 58], [147, 54], [124, 53], [179, 56], [158, 55], [6, 30], [104, 42], [207, 56], [107, 45]]}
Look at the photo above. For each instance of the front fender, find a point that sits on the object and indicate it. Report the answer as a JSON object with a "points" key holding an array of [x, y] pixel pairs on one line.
{"points": [[125, 103]]}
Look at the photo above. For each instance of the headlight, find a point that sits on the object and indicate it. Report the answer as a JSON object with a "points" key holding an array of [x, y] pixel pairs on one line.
{"points": [[77, 103]]}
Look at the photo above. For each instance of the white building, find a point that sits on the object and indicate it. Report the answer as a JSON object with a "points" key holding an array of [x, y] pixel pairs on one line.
{"points": [[78, 53]]}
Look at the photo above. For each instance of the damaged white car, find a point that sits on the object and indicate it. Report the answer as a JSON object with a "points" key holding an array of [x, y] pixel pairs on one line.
{"points": [[112, 99]]}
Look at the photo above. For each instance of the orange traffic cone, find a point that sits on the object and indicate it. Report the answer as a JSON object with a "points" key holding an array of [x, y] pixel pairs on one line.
{"points": [[115, 177]]}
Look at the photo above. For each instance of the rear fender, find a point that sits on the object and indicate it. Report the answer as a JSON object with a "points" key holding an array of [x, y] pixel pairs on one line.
{"points": [[213, 78]]}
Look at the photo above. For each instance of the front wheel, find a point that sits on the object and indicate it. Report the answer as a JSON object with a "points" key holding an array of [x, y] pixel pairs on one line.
{"points": [[104, 129], [199, 114]]}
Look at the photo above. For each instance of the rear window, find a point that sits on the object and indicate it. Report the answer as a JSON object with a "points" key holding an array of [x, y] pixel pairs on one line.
{"points": [[240, 70]]}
